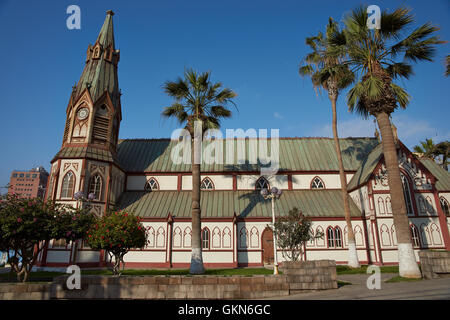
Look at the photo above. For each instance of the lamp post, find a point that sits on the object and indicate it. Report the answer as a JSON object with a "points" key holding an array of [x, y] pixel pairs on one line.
{"points": [[273, 194]]}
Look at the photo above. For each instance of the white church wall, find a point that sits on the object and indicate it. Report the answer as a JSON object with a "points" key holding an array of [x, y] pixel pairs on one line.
{"points": [[137, 183], [74, 165], [221, 182], [247, 182], [303, 181]]}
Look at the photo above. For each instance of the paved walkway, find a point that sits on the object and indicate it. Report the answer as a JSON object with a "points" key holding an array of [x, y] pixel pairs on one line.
{"points": [[436, 289]]}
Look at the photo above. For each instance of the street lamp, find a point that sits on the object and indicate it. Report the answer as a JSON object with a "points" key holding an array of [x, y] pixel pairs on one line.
{"points": [[273, 194]]}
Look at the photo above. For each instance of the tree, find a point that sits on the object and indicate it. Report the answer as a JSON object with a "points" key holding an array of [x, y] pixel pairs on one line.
{"points": [[293, 231], [117, 233], [323, 66], [199, 100], [442, 149], [434, 151], [378, 56], [26, 225], [427, 148]]}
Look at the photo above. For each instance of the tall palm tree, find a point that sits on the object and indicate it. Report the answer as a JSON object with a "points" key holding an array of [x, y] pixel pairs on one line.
{"points": [[323, 66], [199, 100], [379, 56], [427, 148]]}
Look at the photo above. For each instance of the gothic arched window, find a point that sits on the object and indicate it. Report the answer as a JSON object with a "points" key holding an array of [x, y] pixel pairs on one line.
{"points": [[68, 184], [415, 235], [95, 186], [261, 183], [317, 183], [207, 184], [205, 238], [151, 185], [334, 237], [407, 194], [444, 205]]}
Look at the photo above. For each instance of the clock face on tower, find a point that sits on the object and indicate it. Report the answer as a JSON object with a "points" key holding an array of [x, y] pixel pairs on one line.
{"points": [[83, 113]]}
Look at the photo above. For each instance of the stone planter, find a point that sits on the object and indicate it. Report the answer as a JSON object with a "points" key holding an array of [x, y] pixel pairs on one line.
{"points": [[435, 264]]}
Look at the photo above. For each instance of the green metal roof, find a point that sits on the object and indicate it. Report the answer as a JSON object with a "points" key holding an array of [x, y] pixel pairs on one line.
{"points": [[367, 166], [100, 75], [442, 176], [296, 154], [85, 152], [223, 204]]}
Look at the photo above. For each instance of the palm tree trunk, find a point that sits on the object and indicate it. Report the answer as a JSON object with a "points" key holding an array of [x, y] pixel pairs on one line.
{"points": [[196, 251], [408, 267], [353, 261]]}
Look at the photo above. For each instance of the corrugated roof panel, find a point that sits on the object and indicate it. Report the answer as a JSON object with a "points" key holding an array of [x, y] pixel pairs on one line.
{"points": [[158, 204]]}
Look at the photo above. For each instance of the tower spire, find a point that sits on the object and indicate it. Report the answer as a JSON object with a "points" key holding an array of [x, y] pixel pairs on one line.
{"points": [[100, 72]]}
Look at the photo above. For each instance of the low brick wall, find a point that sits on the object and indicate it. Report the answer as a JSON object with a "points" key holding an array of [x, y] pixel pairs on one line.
{"points": [[25, 291], [310, 275], [174, 287], [297, 276], [435, 264]]}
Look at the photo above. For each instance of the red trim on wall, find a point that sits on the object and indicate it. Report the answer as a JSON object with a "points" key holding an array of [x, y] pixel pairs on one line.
{"points": [[442, 222]]}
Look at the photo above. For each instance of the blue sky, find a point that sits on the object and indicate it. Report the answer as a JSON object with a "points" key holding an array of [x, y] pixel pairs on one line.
{"points": [[252, 47]]}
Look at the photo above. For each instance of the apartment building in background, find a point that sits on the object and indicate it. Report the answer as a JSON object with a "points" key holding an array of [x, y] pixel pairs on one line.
{"points": [[29, 184]]}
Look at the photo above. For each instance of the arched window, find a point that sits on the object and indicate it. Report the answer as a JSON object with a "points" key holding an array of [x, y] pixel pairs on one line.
{"points": [[151, 185], [68, 184], [444, 205], [261, 183], [415, 235], [338, 237], [205, 238], [95, 186], [334, 237], [330, 237], [317, 183], [407, 194], [207, 184]]}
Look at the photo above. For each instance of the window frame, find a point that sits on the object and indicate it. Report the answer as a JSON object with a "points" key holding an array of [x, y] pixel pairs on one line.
{"points": [[211, 184], [99, 198], [208, 240], [445, 206], [150, 188], [73, 186], [258, 185], [320, 180]]}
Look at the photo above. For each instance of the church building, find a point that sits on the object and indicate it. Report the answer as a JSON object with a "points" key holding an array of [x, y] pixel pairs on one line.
{"points": [[137, 175]]}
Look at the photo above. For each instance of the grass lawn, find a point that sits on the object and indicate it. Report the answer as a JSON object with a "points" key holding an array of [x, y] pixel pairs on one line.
{"points": [[168, 272], [47, 276], [363, 269]]}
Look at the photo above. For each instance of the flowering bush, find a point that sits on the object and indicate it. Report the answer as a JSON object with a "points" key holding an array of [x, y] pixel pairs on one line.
{"points": [[117, 233], [27, 224], [292, 232]]}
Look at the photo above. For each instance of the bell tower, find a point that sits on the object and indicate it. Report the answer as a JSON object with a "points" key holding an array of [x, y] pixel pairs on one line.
{"points": [[94, 111], [87, 163]]}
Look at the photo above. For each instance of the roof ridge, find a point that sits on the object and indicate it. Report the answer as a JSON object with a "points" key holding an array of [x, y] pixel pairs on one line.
{"points": [[236, 138]]}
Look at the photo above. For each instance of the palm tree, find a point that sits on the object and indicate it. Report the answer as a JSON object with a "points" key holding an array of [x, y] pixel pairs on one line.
{"points": [[434, 151], [197, 101], [443, 149], [378, 57], [323, 66], [427, 148]]}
